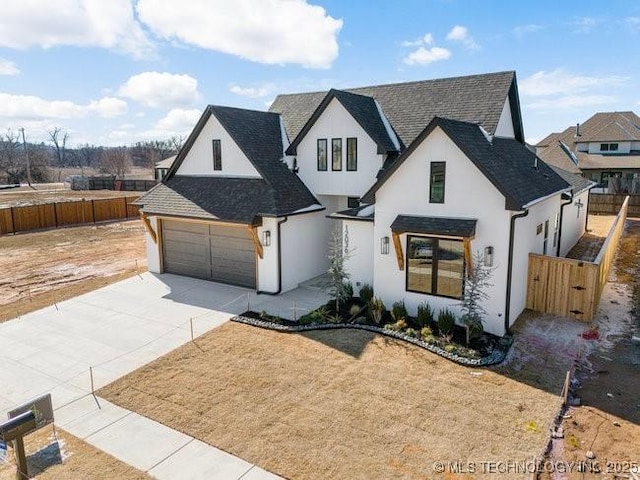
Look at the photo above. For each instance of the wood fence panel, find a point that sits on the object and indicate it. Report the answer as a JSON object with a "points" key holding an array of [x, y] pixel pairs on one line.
{"points": [[109, 209], [74, 213], [34, 217], [6, 221], [610, 204], [133, 211]]}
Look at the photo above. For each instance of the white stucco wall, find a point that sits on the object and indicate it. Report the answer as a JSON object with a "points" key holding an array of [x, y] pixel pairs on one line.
{"points": [[623, 147], [336, 122], [468, 194], [360, 264], [304, 248], [573, 222], [505, 124], [153, 251], [268, 265], [526, 240], [199, 160]]}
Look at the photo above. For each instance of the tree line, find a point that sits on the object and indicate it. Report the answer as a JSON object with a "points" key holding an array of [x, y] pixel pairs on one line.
{"points": [[41, 161]]}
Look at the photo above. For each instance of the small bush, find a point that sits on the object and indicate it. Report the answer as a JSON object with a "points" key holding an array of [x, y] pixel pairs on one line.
{"points": [[361, 320], [425, 332], [366, 293], [354, 310], [430, 339], [425, 314], [397, 326], [377, 309], [319, 315], [446, 322], [410, 332], [348, 290], [450, 348], [398, 311]]}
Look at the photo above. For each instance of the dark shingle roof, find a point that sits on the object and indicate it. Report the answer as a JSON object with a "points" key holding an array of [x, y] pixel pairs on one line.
{"points": [[611, 127], [412, 105], [454, 227], [363, 212], [578, 182], [508, 164], [363, 109], [259, 136]]}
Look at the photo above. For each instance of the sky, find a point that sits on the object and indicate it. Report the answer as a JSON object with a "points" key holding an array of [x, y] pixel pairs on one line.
{"points": [[114, 72]]}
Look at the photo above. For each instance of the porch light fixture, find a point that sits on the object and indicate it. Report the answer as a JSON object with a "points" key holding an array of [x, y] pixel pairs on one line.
{"points": [[266, 238], [384, 245], [488, 256]]}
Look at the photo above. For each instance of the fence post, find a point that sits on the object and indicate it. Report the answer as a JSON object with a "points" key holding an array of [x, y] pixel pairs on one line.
{"points": [[13, 223], [93, 211], [55, 213]]}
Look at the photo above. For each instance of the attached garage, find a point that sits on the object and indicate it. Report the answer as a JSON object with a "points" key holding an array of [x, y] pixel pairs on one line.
{"points": [[220, 253]]}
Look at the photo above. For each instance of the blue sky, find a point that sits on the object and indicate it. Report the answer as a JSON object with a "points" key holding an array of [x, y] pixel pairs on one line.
{"points": [[118, 71]]}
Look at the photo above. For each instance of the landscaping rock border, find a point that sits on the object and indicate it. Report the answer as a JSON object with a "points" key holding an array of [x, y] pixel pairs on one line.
{"points": [[496, 357]]}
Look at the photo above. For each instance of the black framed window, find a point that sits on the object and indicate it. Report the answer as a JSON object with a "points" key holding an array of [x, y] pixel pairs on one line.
{"points": [[613, 147], [435, 266], [336, 154], [352, 154], [217, 155], [436, 182], [353, 202], [604, 147], [322, 154]]}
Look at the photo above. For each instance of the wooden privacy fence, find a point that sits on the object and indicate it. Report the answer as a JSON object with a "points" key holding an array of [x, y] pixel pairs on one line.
{"points": [[572, 288], [610, 204], [53, 215]]}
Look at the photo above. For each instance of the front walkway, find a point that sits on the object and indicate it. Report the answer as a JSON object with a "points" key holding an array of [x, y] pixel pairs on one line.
{"points": [[115, 330]]}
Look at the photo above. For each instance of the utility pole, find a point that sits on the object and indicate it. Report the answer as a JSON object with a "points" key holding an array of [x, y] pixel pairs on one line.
{"points": [[26, 154]]}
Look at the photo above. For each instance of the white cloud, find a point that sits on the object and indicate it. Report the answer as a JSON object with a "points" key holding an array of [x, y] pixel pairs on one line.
{"points": [[427, 39], [84, 23], [584, 24], [461, 34], [571, 102], [178, 121], [425, 56], [633, 23], [559, 81], [523, 30], [156, 89], [264, 31], [252, 92], [27, 107], [7, 67]]}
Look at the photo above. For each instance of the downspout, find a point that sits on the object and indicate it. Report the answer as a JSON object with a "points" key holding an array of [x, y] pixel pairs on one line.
{"points": [[277, 292], [510, 267], [562, 205]]}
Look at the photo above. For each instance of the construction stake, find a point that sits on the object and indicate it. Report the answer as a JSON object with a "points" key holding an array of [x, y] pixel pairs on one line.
{"points": [[91, 375], [191, 323]]}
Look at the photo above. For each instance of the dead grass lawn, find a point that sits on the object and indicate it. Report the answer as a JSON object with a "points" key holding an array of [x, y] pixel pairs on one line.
{"points": [[337, 404], [67, 457]]}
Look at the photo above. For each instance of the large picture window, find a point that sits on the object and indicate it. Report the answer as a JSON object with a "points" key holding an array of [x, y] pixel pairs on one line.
{"points": [[352, 154], [322, 154], [336, 154], [435, 266], [217, 155], [436, 182]]}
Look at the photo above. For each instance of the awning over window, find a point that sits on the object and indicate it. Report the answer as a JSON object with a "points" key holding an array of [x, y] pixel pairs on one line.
{"points": [[438, 226]]}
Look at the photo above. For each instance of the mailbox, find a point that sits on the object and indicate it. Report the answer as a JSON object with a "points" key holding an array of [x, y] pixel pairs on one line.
{"points": [[18, 426]]}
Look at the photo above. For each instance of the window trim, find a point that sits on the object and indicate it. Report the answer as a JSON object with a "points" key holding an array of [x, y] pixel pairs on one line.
{"points": [[326, 156], [217, 161], [434, 266], [444, 181], [333, 169], [353, 140]]}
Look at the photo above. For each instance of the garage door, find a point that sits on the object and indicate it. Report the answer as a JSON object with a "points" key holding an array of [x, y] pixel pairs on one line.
{"points": [[213, 252]]}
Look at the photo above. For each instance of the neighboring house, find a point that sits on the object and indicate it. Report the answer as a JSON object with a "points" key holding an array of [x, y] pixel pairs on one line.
{"points": [[420, 174], [606, 145], [162, 168]]}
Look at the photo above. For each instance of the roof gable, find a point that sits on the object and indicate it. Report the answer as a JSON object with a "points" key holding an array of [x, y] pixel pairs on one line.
{"points": [[509, 165], [363, 109], [412, 105]]}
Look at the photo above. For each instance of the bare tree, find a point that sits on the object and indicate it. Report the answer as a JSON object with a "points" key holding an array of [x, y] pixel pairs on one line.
{"points": [[115, 161], [59, 139], [13, 160]]}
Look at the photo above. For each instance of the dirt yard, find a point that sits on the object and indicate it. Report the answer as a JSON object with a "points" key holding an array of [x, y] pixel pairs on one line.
{"points": [[588, 246], [337, 404], [41, 268], [26, 196], [63, 456]]}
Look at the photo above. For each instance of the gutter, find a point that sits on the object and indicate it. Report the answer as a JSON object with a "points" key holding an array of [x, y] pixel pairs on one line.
{"points": [[277, 292], [510, 267], [542, 199], [562, 205]]}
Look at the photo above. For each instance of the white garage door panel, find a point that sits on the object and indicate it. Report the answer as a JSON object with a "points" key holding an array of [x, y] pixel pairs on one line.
{"points": [[219, 253]]}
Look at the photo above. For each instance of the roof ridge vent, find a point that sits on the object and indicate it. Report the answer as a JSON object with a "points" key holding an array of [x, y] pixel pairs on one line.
{"points": [[486, 134]]}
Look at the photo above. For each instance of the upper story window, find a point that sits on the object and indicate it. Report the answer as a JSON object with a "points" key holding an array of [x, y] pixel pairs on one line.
{"points": [[322, 154], [608, 147], [336, 154], [436, 182], [217, 155], [353, 202], [352, 154]]}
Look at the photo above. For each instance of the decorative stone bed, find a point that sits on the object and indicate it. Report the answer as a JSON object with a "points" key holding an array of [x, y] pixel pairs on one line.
{"points": [[496, 356]]}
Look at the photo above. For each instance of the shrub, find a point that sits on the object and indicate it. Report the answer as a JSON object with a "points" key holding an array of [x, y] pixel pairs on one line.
{"points": [[425, 314], [410, 332], [425, 332], [396, 326], [377, 308], [446, 322], [319, 315], [398, 311], [366, 293], [430, 339], [450, 348], [361, 320], [354, 310], [348, 290]]}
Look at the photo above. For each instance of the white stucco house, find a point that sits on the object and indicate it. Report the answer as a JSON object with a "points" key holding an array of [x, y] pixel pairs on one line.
{"points": [[421, 174]]}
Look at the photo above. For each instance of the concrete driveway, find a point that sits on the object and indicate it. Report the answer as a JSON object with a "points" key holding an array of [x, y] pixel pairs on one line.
{"points": [[113, 331]]}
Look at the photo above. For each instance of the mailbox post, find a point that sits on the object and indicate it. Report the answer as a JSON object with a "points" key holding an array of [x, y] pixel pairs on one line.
{"points": [[13, 430]]}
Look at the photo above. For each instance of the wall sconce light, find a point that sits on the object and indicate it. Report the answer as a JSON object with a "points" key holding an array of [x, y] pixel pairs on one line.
{"points": [[266, 238], [488, 256], [384, 245]]}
